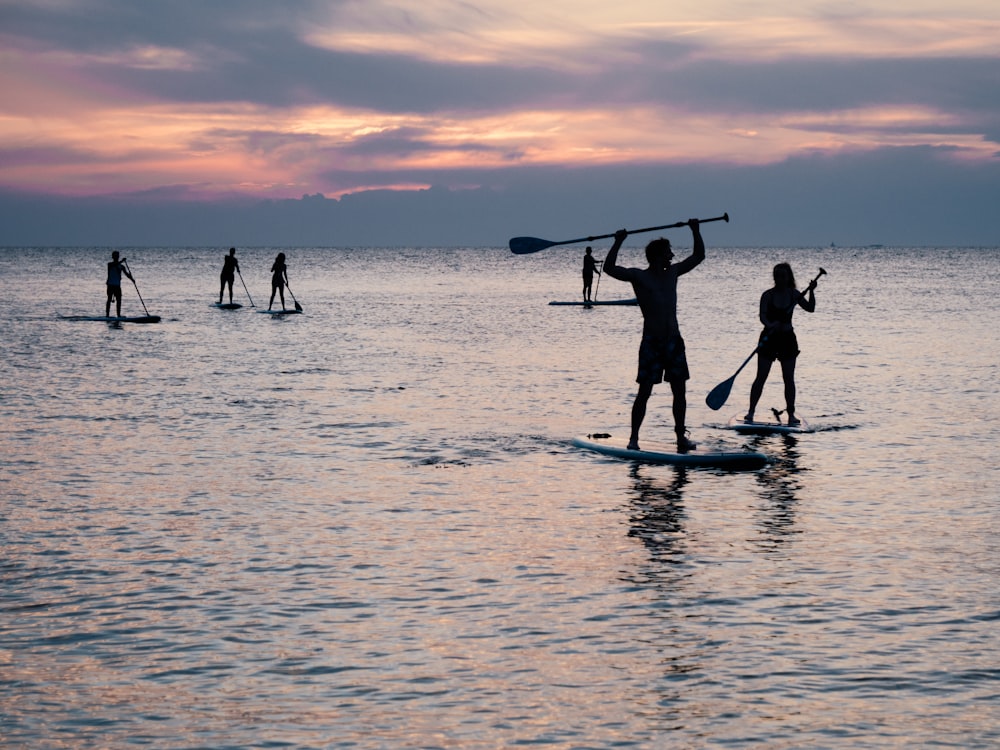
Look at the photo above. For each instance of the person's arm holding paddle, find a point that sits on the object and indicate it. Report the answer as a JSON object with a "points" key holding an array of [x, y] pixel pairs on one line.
{"points": [[610, 265], [807, 300], [698, 255]]}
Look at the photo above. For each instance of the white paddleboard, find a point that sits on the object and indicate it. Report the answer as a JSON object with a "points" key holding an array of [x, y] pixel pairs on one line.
{"points": [[598, 303], [292, 311], [660, 454], [226, 305], [766, 427], [106, 319]]}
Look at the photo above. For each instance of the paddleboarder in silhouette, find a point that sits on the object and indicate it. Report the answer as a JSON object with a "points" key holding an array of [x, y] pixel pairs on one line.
{"points": [[230, 267], [589, 269], [661, 353], [279, 277], [116, 268], [777, 340]]}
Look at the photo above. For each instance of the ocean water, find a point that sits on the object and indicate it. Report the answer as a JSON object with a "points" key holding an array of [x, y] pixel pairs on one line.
{"points": [[364, 526]]}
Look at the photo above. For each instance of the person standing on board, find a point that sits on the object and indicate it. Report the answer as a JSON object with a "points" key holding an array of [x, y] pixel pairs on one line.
{"points": [[230, 267], [661, 353], [589, 268], [116, 268], [279, 277], [777, 340]]}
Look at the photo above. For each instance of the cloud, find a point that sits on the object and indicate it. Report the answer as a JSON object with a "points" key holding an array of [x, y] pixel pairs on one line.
{"points": [[276, 99], [898, 196]]}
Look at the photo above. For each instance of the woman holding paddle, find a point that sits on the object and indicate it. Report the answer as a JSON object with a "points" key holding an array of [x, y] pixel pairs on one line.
{"points": [[777, 340], [279, 277]]}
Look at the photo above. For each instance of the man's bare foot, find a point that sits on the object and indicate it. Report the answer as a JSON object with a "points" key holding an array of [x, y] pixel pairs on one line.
{"points": [[633, 445]]}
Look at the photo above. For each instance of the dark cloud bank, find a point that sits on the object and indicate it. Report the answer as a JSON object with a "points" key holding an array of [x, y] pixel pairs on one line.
{"points": [[911, 196]]}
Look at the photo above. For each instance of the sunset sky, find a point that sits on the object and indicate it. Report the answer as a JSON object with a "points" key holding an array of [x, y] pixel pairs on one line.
{"points": [[804, 119]]}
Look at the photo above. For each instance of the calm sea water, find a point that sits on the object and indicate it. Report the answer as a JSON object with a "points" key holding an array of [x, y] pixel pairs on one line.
{"points": [[364, 526]]}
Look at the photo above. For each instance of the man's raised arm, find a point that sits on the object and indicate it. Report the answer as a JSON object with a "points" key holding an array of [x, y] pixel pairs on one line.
{"points": [[698, 255], [611, 259]]}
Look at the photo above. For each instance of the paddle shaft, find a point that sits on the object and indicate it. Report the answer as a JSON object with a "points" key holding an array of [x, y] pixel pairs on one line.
{"points": [[718, 395], [525, 245], [132, 276], [245, 288], [289, 287]]}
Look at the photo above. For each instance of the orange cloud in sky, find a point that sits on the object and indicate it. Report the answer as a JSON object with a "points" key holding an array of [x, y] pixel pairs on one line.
{"points": [[75, 132]]}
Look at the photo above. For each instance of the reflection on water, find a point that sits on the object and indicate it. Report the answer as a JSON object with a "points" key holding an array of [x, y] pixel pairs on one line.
{"points": [[780, 486], [360, 527], [656, 513]]}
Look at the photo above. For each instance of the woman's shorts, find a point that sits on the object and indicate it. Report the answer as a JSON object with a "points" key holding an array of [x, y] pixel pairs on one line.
{"points": [[779, 346]]}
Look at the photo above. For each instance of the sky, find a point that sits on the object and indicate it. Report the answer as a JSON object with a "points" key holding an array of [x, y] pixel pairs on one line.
{"points": [[443, 123]]}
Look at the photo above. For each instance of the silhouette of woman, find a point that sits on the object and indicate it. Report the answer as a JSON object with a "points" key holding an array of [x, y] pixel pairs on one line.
{"points": [[777, 340], [279, 277]]}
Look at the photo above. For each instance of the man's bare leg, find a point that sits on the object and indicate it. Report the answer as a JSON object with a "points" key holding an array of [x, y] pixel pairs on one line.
{"points": [[639, 413]]}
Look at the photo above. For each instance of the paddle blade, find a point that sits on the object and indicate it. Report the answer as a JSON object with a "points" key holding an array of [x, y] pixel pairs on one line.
{"points": [[718, 395], [298, 306], [525, 245]]}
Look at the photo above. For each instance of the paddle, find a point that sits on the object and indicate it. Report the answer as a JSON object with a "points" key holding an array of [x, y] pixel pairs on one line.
{"points": [[288, 286], [525, 245], [131, 276], [718, 395], [245, 288], [600, 273]]}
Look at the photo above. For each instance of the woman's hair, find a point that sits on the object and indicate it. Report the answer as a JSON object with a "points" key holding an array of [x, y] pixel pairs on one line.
{"points": [[784, 268]]}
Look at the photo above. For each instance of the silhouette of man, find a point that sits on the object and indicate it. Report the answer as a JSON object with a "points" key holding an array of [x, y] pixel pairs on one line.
{"points": [[661, 353], [229, 268], [589, 268], [115, 270]]}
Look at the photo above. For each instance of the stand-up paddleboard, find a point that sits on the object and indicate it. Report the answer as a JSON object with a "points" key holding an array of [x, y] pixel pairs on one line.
{"points": [[599, 302], [292, 311], [226, 305], [766, 427], [658, 454], [112, 319]]}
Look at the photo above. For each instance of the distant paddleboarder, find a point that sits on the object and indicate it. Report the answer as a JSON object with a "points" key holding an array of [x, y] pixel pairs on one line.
{"points": [[230, 267], [661, 353], [279, 277], [589, 269], [777, 340], [116, 268]]}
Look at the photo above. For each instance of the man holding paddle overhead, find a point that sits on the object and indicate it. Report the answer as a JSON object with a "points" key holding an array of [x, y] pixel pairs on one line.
{"points": [[661, 353]]}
